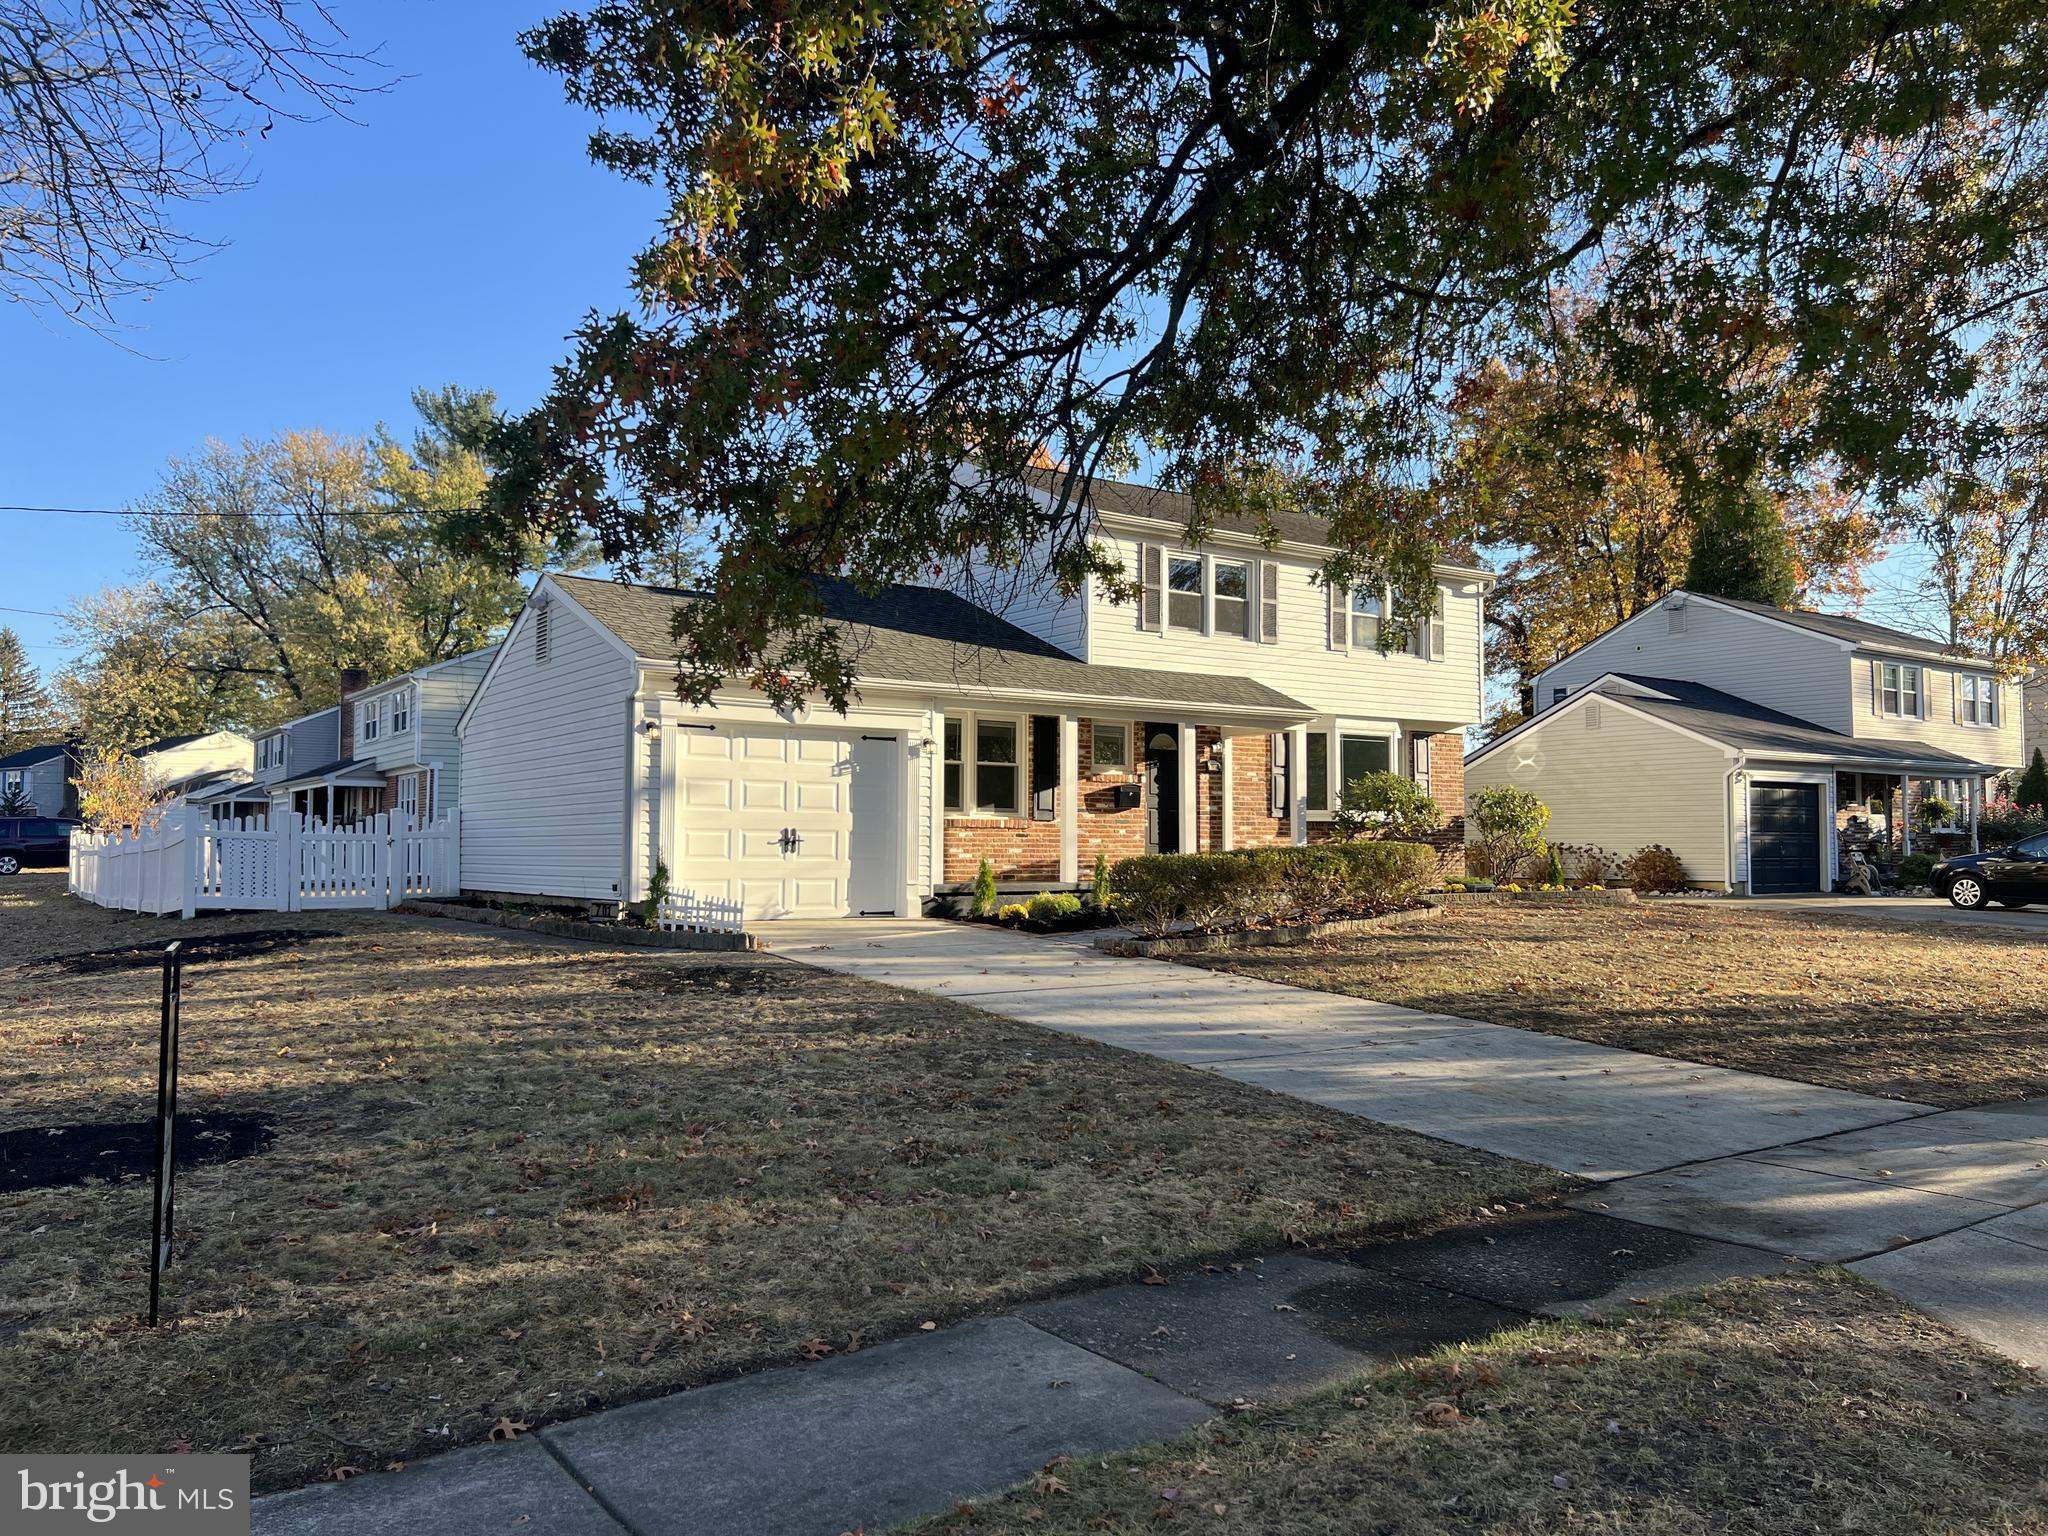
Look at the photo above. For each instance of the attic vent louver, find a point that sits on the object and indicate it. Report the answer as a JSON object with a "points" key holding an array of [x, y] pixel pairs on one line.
{"points": [[543, 633], [1593, 716]]}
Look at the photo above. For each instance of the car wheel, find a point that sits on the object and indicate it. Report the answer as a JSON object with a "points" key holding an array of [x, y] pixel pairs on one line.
{"points": [[10, 864], [1967, 892]]}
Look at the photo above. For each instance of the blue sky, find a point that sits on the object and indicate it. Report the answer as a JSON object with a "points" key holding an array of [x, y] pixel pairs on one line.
{"points": [[455, 233]]}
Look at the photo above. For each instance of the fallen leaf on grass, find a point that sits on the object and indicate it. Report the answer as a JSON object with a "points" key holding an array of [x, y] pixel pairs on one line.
{"points": [[508, 1428]]}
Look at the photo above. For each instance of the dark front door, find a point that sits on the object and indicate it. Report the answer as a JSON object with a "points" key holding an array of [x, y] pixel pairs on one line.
{"points": [[1162, 797], [1784, 838]]}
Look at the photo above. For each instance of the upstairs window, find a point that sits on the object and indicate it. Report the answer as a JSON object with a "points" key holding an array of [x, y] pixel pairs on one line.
{"points": [[1233, 597], [1367, 609], [1184, 593], [366, 722], [1899, 690], [1977, 700], [401, 710]]}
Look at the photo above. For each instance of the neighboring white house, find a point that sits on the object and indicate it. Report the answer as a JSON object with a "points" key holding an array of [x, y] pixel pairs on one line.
{"points": [[185, 767], [391, 747], [1754, 742], [296, 746], [1224, 711]]}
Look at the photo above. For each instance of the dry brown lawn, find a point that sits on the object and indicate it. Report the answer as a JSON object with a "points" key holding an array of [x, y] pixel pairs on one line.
{"points": [[1937, 1013], [518, 1181], [1772, 1408]]}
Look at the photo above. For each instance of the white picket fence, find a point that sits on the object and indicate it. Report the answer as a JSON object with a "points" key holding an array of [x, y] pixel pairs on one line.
{"points": [[690, 912], [187, 863]]}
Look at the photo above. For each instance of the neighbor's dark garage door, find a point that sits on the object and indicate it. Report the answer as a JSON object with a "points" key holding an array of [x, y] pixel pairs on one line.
{"points": [[1784, 838]]}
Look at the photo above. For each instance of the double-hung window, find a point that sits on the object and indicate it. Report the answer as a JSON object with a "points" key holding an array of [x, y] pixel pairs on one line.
{"points": [[366, 721], [1977, 700], [1368, 607], [1359, 755], [995, 767], [1232, 589], [409, 796], [1899, 690], [985, 783], [401, 711], [1184, 593]]}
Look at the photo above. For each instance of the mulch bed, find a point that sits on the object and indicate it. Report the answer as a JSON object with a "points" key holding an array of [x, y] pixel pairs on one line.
{"points": [[52, 1156]]}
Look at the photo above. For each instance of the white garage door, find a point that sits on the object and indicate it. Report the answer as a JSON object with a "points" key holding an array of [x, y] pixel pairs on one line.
{"points": [[766, 817]]}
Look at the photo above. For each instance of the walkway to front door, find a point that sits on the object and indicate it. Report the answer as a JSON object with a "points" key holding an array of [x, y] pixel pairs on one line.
{"points": [[1946, 1209]]}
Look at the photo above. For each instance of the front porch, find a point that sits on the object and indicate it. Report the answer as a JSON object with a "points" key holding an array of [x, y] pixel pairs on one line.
{"points": [[1042, 796]]}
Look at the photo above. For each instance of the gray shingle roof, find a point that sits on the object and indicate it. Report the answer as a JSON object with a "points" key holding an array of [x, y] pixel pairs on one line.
{"points": [[28, 755], [1840, 626], [924, 636], [1736, 722]]}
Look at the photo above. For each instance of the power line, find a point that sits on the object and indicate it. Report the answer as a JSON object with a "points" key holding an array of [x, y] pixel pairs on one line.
{"points": [[222, 512], [41, 613]]}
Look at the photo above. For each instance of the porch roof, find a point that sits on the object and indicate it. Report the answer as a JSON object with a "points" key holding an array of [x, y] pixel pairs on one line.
{"points": [[350, 773], [933, 639], [240, 789], [1762, 732]]}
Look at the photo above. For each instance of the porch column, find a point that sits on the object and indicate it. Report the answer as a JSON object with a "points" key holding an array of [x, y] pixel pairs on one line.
{"points": [[1976, 786], [1297, 784], [1905, 814], [1189, 778], [938, 802], [1229, 796], [1069, 795]]}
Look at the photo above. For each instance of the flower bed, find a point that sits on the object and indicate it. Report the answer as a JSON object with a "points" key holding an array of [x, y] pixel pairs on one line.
{"points": [[1261, 888]]}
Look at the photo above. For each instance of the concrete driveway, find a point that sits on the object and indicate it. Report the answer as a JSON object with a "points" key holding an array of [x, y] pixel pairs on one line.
{"points": [[1896, 909], [1946, 1209]]}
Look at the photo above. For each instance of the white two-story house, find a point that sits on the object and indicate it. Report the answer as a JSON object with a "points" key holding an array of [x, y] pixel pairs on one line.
{"points": [[1757, 743], [1225, 710]]}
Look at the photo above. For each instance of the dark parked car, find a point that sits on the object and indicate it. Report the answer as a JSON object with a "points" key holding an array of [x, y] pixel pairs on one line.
{"points": [[2012, 877], [29, 842]]}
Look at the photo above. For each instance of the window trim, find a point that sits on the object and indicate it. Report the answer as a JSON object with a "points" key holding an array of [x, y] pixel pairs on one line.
{"points": [[1200, 593], [970, 808], [1897, 691], [1095, 729], [1986, 698], [401, 710]]}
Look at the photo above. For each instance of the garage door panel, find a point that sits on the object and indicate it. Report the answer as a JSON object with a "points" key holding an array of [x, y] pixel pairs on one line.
{"points": [[764, 794], [829, 798], [764, 748], [820, 894], [707, 846]]}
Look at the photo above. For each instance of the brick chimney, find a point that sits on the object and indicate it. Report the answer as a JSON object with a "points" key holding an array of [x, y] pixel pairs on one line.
{"points": [[353, 681]]}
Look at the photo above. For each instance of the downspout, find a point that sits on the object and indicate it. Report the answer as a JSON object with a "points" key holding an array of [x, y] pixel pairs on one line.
{"points": [[1740, 768]]}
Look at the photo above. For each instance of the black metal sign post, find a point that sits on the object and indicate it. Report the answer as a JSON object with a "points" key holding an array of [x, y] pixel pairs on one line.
{"points": [[166, 1125]]}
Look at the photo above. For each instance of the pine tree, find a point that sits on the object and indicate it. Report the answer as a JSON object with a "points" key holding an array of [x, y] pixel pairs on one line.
{"points": [[25, 716], [1741, 549], [2033, 788]]}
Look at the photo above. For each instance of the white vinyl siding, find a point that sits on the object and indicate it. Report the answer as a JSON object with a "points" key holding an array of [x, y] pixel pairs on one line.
{"points": [[1749, 655], [1941, 721], [1629, 783], [1299, 662], [544, 765]]}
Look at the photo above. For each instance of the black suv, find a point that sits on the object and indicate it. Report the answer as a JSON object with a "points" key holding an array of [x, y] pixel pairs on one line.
{"points": [[2012, 877], [27, 842]]}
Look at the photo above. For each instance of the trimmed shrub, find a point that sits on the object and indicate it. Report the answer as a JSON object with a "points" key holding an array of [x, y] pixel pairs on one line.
{"points": [[1156, 890], [1587, 863], [1262, 885], [1916, 869], [984, 891], [1053, 906], [1553, 870], [1655, 869], [1013, 912]]}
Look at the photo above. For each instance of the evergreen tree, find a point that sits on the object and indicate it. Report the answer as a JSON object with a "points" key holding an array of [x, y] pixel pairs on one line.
{"points": [[1741, 549], [25, 716], [2033, 788]]}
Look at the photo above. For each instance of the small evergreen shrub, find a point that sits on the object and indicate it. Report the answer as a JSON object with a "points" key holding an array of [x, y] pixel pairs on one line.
{"points": [[1267, 885], [1553, 870], [1099, 887], [657, 894], [984, 891], [1916, 869], [1510, 823], [1053, 906], [1385, 805]]}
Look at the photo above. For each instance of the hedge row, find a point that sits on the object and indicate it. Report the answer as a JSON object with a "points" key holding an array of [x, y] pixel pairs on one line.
{"points": [[1156, 891]]}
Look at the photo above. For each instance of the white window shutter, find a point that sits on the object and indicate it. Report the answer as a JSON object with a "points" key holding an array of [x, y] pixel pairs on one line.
{"points": [[1340, 619], [1436, 628], [1276, 774], [1877, 687], [1152, 576], [1269, 602]]}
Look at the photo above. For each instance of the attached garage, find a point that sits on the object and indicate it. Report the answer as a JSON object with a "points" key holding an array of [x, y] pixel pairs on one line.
{"points": [[1785, 843], [790, 822]]}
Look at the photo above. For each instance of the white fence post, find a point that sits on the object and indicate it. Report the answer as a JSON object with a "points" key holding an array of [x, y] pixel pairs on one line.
{"points": [[194, 860]]}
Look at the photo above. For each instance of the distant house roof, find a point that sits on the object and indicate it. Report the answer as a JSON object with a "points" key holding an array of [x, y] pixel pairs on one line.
{"points": [[342, 771], [171, 742], [1841, 626], [29, 755], [924, 636], [1752, 728]]}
